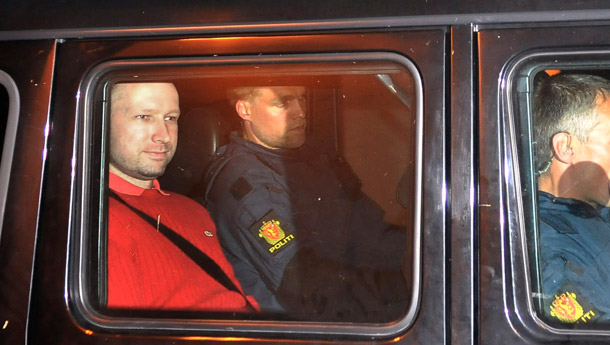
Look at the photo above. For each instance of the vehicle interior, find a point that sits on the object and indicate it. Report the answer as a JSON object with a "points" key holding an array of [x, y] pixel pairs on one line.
{"points": [[363, 114]]}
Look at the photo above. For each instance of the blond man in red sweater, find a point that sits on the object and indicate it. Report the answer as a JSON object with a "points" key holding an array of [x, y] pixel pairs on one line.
{"points": [[163, 252]]}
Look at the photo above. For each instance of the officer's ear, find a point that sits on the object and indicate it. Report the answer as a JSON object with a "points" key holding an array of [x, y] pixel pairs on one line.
{"points": [[562, 147], [243, 109]]}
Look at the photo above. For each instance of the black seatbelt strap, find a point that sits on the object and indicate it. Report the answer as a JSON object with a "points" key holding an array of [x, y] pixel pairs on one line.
{"points": [[206, 263]]}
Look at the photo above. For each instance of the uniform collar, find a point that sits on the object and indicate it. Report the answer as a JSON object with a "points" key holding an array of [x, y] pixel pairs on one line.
{"points": [[576, 207], [120, 185], [296, 153]]}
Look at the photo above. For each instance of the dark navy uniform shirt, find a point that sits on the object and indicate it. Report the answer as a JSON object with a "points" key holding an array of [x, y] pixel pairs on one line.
{"points": [[575, 260], [268, 204]]}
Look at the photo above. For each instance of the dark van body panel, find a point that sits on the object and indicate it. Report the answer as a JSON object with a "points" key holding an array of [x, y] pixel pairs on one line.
{"points": [[474, 278], [31, 65], [498, 50], [48, 305], [59, 15]]}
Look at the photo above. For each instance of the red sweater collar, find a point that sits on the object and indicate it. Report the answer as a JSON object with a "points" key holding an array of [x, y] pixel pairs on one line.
{"points": [[121, 185]]}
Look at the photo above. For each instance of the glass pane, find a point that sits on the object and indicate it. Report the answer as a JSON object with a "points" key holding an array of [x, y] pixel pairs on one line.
{"points": [[308, 171], [571, 245]]}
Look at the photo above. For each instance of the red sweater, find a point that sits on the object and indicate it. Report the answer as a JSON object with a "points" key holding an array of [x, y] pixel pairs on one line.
{"points": [[147, 271]]}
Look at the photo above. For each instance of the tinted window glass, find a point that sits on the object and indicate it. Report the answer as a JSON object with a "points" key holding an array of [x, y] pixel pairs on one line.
{"points": [[3, 112], [309, 171], [567, 127]]}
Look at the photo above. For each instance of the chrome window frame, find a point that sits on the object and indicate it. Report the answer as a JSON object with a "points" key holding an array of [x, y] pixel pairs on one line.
{"points": [[76, 284], [516, 93], [10, 137]]}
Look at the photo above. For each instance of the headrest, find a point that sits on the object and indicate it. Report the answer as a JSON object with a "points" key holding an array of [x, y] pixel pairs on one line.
{"points": [[201, 131]]}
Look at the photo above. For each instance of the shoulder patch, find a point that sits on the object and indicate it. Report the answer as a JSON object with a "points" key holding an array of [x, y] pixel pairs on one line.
{"points": [[240, 188], [568, 307], [273, 233]]}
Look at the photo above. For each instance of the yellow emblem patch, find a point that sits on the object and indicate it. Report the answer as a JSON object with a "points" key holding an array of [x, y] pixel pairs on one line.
{"points": [[566, 308], [271, 231]]}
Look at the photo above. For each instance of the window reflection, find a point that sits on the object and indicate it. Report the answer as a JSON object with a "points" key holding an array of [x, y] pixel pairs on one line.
{"points": [[571, 112], [309, 176]]}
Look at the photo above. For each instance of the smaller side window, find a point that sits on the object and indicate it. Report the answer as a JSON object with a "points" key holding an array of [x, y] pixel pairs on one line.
{"points": [[561, 199], [9, 111], [3, 113], [571, 127]]}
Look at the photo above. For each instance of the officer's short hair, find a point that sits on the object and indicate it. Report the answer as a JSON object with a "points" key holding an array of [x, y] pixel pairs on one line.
{"points": [[565, 103], [242, 93]]}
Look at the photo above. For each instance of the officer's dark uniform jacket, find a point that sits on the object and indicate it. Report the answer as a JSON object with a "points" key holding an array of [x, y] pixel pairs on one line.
{"points": [[293, 222], [575, 260]]}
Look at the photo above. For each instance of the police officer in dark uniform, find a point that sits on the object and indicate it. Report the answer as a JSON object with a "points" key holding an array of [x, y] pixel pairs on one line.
{"points": [[572, 133], [301, 235]]}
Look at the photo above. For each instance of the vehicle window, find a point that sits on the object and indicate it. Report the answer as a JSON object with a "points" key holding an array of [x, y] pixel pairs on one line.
{"points": [[260, 190], [9, 109], [3, 111], [565, 123]]}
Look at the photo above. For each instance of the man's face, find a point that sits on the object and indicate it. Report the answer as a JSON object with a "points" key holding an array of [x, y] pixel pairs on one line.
{"points": [[277, 117], [143, 130], [592, 161]]}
